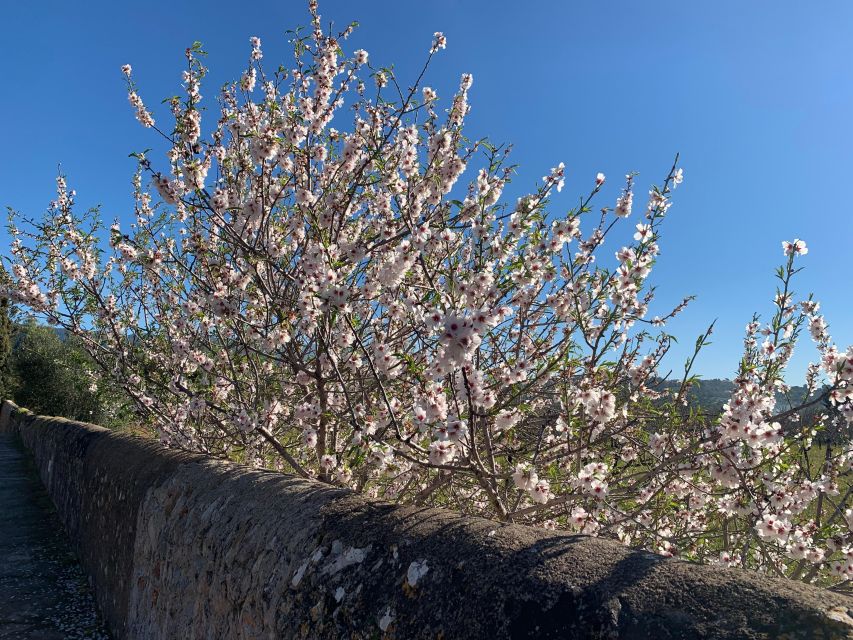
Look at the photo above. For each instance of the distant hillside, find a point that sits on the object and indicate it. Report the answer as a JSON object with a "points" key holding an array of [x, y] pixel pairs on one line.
{"points": [[712, 394]]}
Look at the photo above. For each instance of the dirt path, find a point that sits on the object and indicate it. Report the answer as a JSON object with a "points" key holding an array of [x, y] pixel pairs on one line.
{"points": [[43, 592]]}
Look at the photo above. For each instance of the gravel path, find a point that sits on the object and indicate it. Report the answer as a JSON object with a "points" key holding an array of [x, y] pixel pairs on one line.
{"points": [[44, 594]]}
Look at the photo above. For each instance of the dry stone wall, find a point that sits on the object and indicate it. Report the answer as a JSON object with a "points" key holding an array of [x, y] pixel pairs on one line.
{"points": [[185, 546]]}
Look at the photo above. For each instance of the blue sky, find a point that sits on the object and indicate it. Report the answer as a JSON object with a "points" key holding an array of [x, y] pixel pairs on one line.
{"points": [[756, 96]]}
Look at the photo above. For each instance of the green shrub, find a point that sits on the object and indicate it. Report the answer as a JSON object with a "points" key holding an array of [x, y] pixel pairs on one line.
{"points": [[54, 376]]}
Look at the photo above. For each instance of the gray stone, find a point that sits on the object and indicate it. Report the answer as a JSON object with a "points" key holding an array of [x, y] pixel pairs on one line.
{"points": [[185, 546]]}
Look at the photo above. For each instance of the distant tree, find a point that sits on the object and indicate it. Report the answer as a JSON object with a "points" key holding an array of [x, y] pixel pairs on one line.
{"points": [[6, 329], [55, 376]]}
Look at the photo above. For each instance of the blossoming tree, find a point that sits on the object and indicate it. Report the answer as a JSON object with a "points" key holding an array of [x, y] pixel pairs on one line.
{"points": [[347, 305]]}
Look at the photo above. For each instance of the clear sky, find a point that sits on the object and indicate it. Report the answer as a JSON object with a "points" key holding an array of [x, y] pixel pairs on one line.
{"points": [[756, 96]]}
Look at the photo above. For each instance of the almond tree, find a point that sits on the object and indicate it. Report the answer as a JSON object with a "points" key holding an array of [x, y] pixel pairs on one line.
{"points": [[347, 305]]}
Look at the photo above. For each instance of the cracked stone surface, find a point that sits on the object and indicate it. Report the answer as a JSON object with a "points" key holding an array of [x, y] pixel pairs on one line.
{"points": [[44, 594]]}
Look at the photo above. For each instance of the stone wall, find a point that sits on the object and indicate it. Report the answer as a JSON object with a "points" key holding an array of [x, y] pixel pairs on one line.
{"points": [[185, 546]]}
